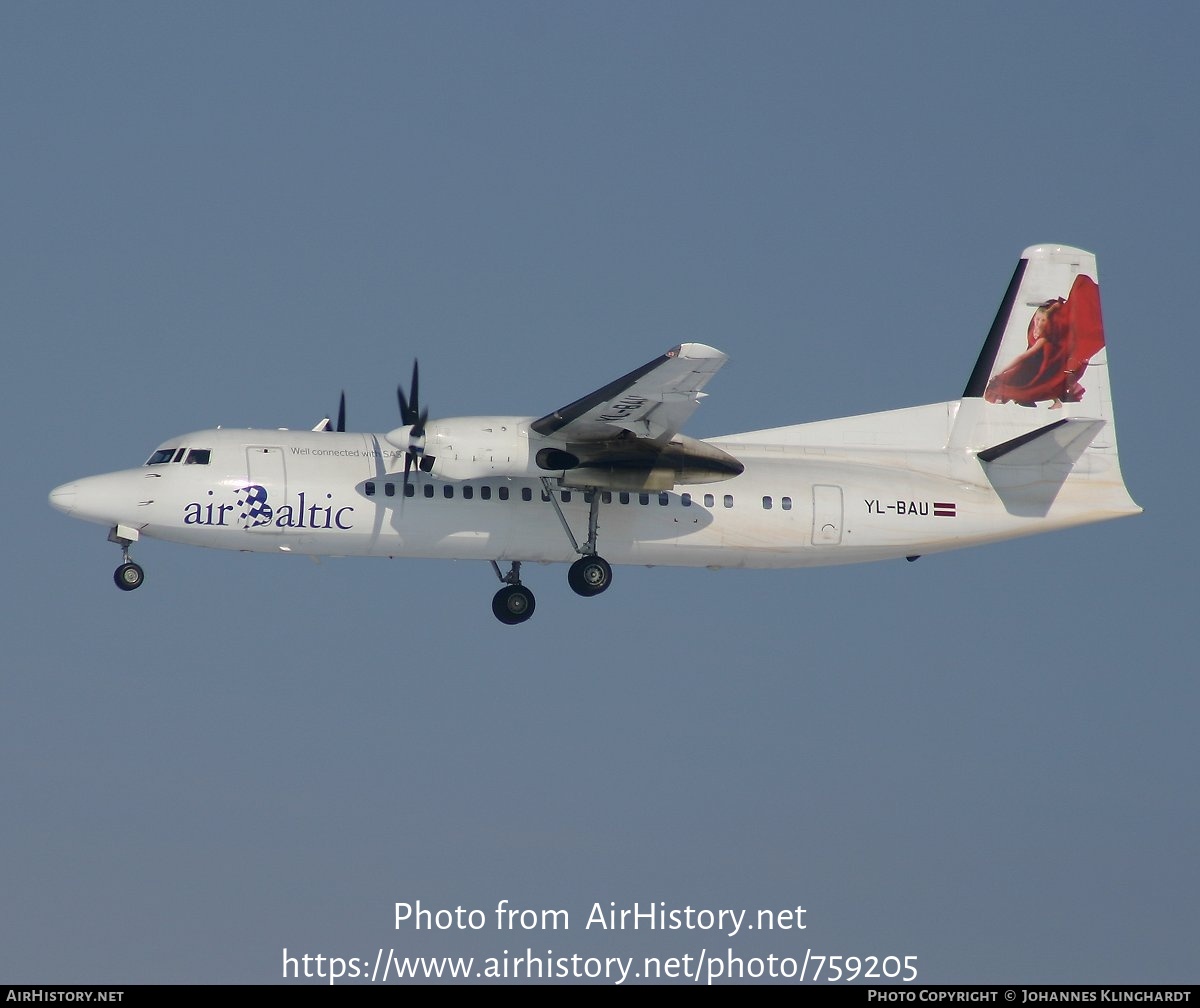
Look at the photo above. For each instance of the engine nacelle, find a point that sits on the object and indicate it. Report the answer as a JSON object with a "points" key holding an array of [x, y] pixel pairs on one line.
{"points": [[465, 448], [633, 464]]}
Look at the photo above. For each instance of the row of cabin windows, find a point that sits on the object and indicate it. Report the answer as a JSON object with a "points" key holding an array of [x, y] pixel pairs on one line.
{"points": [[468, 491]]}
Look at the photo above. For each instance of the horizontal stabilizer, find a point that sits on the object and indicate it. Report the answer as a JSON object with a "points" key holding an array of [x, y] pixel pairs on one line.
{"points": [[1052, 443]]}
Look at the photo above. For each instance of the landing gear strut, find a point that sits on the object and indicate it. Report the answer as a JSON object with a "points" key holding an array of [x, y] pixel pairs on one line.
{"points": [[129, 575], [514, 603], [591, 573]]}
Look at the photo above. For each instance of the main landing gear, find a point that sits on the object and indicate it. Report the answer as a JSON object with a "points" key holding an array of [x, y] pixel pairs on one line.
{"points": [[590, 575], [129, 575]]}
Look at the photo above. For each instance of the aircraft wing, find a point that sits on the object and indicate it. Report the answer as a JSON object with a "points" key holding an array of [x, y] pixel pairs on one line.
{"points": [[651, 402]]}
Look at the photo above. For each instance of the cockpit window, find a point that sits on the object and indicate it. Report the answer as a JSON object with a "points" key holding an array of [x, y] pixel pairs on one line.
{"points": [[198, 456], [161, 457]]}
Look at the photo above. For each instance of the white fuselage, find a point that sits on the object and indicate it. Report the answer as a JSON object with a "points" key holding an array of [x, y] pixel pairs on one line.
{"points": [[796, 504]]}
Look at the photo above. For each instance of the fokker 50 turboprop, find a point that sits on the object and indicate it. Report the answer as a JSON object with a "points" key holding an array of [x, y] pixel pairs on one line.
{"points": [[1029, 447]]}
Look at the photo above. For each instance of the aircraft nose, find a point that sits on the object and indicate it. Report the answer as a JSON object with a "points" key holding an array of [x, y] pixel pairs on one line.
{"points": [[63, 498]]}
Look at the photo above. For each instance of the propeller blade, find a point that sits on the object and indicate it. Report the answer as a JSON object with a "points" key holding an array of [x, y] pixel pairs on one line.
{"points": [[414, 418], [407, 467], [410, 407]]}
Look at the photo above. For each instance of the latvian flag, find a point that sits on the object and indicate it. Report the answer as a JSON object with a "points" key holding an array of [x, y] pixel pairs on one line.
{"points": [[944, 509]]}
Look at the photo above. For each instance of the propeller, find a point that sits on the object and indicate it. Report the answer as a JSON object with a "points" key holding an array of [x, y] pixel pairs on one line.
{"points": [[413, 417]]}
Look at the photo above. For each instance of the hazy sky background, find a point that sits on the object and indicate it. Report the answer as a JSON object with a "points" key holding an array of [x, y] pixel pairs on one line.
{"points": [[226, 213]]}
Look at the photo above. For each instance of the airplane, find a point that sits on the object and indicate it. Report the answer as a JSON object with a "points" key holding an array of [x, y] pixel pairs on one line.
{"points": [[1029, 447]]}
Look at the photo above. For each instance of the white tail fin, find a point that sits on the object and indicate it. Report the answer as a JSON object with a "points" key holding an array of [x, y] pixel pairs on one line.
{"points": [[1037, 409]]}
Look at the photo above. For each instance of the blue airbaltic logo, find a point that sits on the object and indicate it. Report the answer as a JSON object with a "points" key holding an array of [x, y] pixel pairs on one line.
{"points": [[256, 511], [251, 510]]}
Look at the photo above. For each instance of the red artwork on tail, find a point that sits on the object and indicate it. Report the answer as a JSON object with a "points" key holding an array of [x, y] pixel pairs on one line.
{"points": [[1063, 337]]}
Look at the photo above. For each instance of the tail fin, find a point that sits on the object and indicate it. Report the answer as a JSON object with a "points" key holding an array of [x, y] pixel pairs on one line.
{"points": [[1037, 408]]}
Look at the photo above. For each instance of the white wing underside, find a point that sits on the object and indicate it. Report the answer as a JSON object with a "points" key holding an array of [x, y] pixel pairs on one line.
{"points": [[652, 402]]}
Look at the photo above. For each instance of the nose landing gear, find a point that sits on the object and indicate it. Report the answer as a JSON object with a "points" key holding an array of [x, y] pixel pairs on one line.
{"points": [[129, 575]]}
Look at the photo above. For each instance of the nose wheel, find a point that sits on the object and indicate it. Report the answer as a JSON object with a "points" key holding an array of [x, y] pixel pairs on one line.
{"points": [[129, 576]]}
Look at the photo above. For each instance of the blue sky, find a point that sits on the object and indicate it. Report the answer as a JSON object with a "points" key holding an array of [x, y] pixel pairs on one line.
{"points": [[226, 214]]}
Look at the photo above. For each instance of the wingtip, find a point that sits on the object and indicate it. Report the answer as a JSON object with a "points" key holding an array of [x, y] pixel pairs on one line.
{"points": [[697, 351]]}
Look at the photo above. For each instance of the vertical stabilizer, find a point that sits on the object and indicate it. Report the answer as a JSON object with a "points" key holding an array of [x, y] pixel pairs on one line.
{"points": [[1038, 405]]}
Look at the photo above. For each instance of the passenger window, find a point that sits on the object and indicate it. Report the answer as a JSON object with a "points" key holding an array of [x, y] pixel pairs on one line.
{"points": [[502, 492], [787, 503], [370, 489], [664, 498], [685, 499], [709, 500], [606, 497], [448, 491], [389, 489], [566, 496], [428, 489], [410, 489], [485, 493], [468, 492], [766, 503], [729, 500], [198, 456], [527, 494], [624, 497], [643, 498]]}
